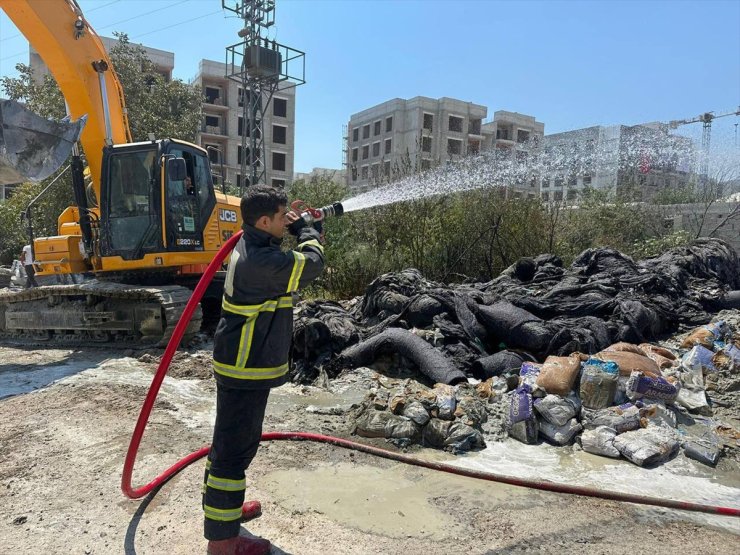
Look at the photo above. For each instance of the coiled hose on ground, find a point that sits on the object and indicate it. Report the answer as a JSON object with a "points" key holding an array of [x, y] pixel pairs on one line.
{"points": [[146, 409]]}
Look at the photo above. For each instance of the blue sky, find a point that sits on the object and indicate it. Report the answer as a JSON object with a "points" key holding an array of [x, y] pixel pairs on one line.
{"points": [[569, 64]]}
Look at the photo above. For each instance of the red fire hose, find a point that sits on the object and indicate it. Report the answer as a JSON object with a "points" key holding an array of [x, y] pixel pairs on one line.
{"points": [[146, 409]]}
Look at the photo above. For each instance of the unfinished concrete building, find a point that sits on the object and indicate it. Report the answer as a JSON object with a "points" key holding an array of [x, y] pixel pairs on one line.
{"points": [[223, 124], [404, 136], [638, 159]]}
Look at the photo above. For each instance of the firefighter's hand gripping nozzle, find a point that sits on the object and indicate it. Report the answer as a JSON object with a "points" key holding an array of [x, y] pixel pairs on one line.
{"points": [[314, 215]]}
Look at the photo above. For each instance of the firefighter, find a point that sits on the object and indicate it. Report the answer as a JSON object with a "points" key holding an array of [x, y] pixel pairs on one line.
{"points": [[250, 355]]}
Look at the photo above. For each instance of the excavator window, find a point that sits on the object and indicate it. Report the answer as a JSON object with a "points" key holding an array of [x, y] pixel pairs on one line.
{"points": [[132, 223]]}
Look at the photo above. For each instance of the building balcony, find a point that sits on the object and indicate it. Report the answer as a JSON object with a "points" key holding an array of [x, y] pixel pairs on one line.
{"points": [[213, 130], [218, 104]]}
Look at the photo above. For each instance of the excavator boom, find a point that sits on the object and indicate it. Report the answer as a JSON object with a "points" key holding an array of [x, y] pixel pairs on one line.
{"points": [[80, 65]]}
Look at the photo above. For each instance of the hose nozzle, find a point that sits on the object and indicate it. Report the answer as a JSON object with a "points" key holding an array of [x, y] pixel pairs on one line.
{"points": [[335, 210], [312, 215]]}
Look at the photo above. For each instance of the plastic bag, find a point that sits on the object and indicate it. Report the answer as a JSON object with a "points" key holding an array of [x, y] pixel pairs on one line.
{"points": [[523, 424], [630, 362], [600, 441], [621, 419], [704, 450], [555, 409], [639, 386], [699, 358], [446, 402], [559, 373], [598, 383], [647, 447], [560, 435], [416, 412]]}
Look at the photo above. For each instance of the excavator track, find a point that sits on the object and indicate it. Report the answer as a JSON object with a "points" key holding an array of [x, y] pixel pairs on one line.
{"points": [[95, 313]]}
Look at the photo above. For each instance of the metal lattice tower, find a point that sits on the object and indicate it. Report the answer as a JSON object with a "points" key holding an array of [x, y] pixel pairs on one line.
{"points": [[261, 66]]}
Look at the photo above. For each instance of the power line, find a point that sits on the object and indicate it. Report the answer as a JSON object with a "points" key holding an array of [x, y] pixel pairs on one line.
{"points": [[88, 11], [143, 14], [119, 22], [176, 24]]}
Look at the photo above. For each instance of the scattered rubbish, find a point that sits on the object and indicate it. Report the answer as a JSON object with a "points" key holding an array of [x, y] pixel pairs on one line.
{"points": [[599, 381], [600, 441], [639, 386], [560, 435], [647, 447], [558, 374], [705, 450]]}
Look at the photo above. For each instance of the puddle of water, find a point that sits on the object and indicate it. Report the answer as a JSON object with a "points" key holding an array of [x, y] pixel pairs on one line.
{"points": [[395, 502], [680, 478], [22, 378]]}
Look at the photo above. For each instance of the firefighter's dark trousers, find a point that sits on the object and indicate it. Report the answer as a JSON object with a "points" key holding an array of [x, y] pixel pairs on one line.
{"points": [[236, 436]]}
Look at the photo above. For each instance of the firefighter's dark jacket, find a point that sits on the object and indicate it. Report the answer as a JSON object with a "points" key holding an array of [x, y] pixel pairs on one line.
{"points": [[253, 337]]}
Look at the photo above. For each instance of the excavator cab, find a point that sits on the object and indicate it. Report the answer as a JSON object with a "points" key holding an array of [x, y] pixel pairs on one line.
{"points": [[156, 197]]}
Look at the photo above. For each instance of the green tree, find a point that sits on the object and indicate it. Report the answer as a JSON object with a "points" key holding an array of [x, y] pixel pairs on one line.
{"points": [[164, 108]]}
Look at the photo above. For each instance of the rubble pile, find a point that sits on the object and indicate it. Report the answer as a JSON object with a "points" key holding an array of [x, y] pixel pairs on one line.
{"points": [[534, 309], [566, 349], [640, 402]]}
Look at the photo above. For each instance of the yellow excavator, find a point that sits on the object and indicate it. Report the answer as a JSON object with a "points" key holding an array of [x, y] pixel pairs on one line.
{"points": [[145, 227]]}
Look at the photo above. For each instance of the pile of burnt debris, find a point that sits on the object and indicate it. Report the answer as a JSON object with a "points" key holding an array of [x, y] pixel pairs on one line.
{"points": [[472, 342]]}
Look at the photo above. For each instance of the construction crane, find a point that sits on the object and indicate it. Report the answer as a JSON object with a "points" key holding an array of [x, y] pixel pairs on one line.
{"points": [[706, 119]]}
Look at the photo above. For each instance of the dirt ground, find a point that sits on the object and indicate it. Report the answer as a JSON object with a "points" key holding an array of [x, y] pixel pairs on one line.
{"points": [[63, 446]]}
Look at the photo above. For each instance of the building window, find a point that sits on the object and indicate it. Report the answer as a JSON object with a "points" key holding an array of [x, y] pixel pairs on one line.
{"points": [[426, 144], [375, 171], [278, 161], [376, 149], [389, 124], [522, 136], [363, 172], [213, 96], [366, 131], [558, 195], [572, 194], [278, 183], [473, 147], [455, 124], [586, 180], [474, 127], [212, 125], [280, 107], [366, 152], [238, 180], [376, 129], [573, 181], [388, 146], [354, 173], [279, 134], [425, 164], [355, 134], [545, 183], [355, 153], [429, 122], [546, 196], [559, 181], [454, 146], [387, 168]]}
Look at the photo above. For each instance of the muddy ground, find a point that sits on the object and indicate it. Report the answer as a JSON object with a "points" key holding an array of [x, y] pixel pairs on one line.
{"points": [[67, 416]]}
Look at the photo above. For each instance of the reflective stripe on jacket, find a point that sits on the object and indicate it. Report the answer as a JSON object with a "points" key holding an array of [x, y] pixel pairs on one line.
{"points": [[254, 334]]}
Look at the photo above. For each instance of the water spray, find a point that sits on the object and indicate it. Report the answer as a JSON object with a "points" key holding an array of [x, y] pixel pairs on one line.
{"points": [[313, 215]]}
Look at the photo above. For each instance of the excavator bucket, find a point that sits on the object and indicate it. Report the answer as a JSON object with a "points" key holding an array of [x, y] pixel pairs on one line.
{"points": [[31, 147]]}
